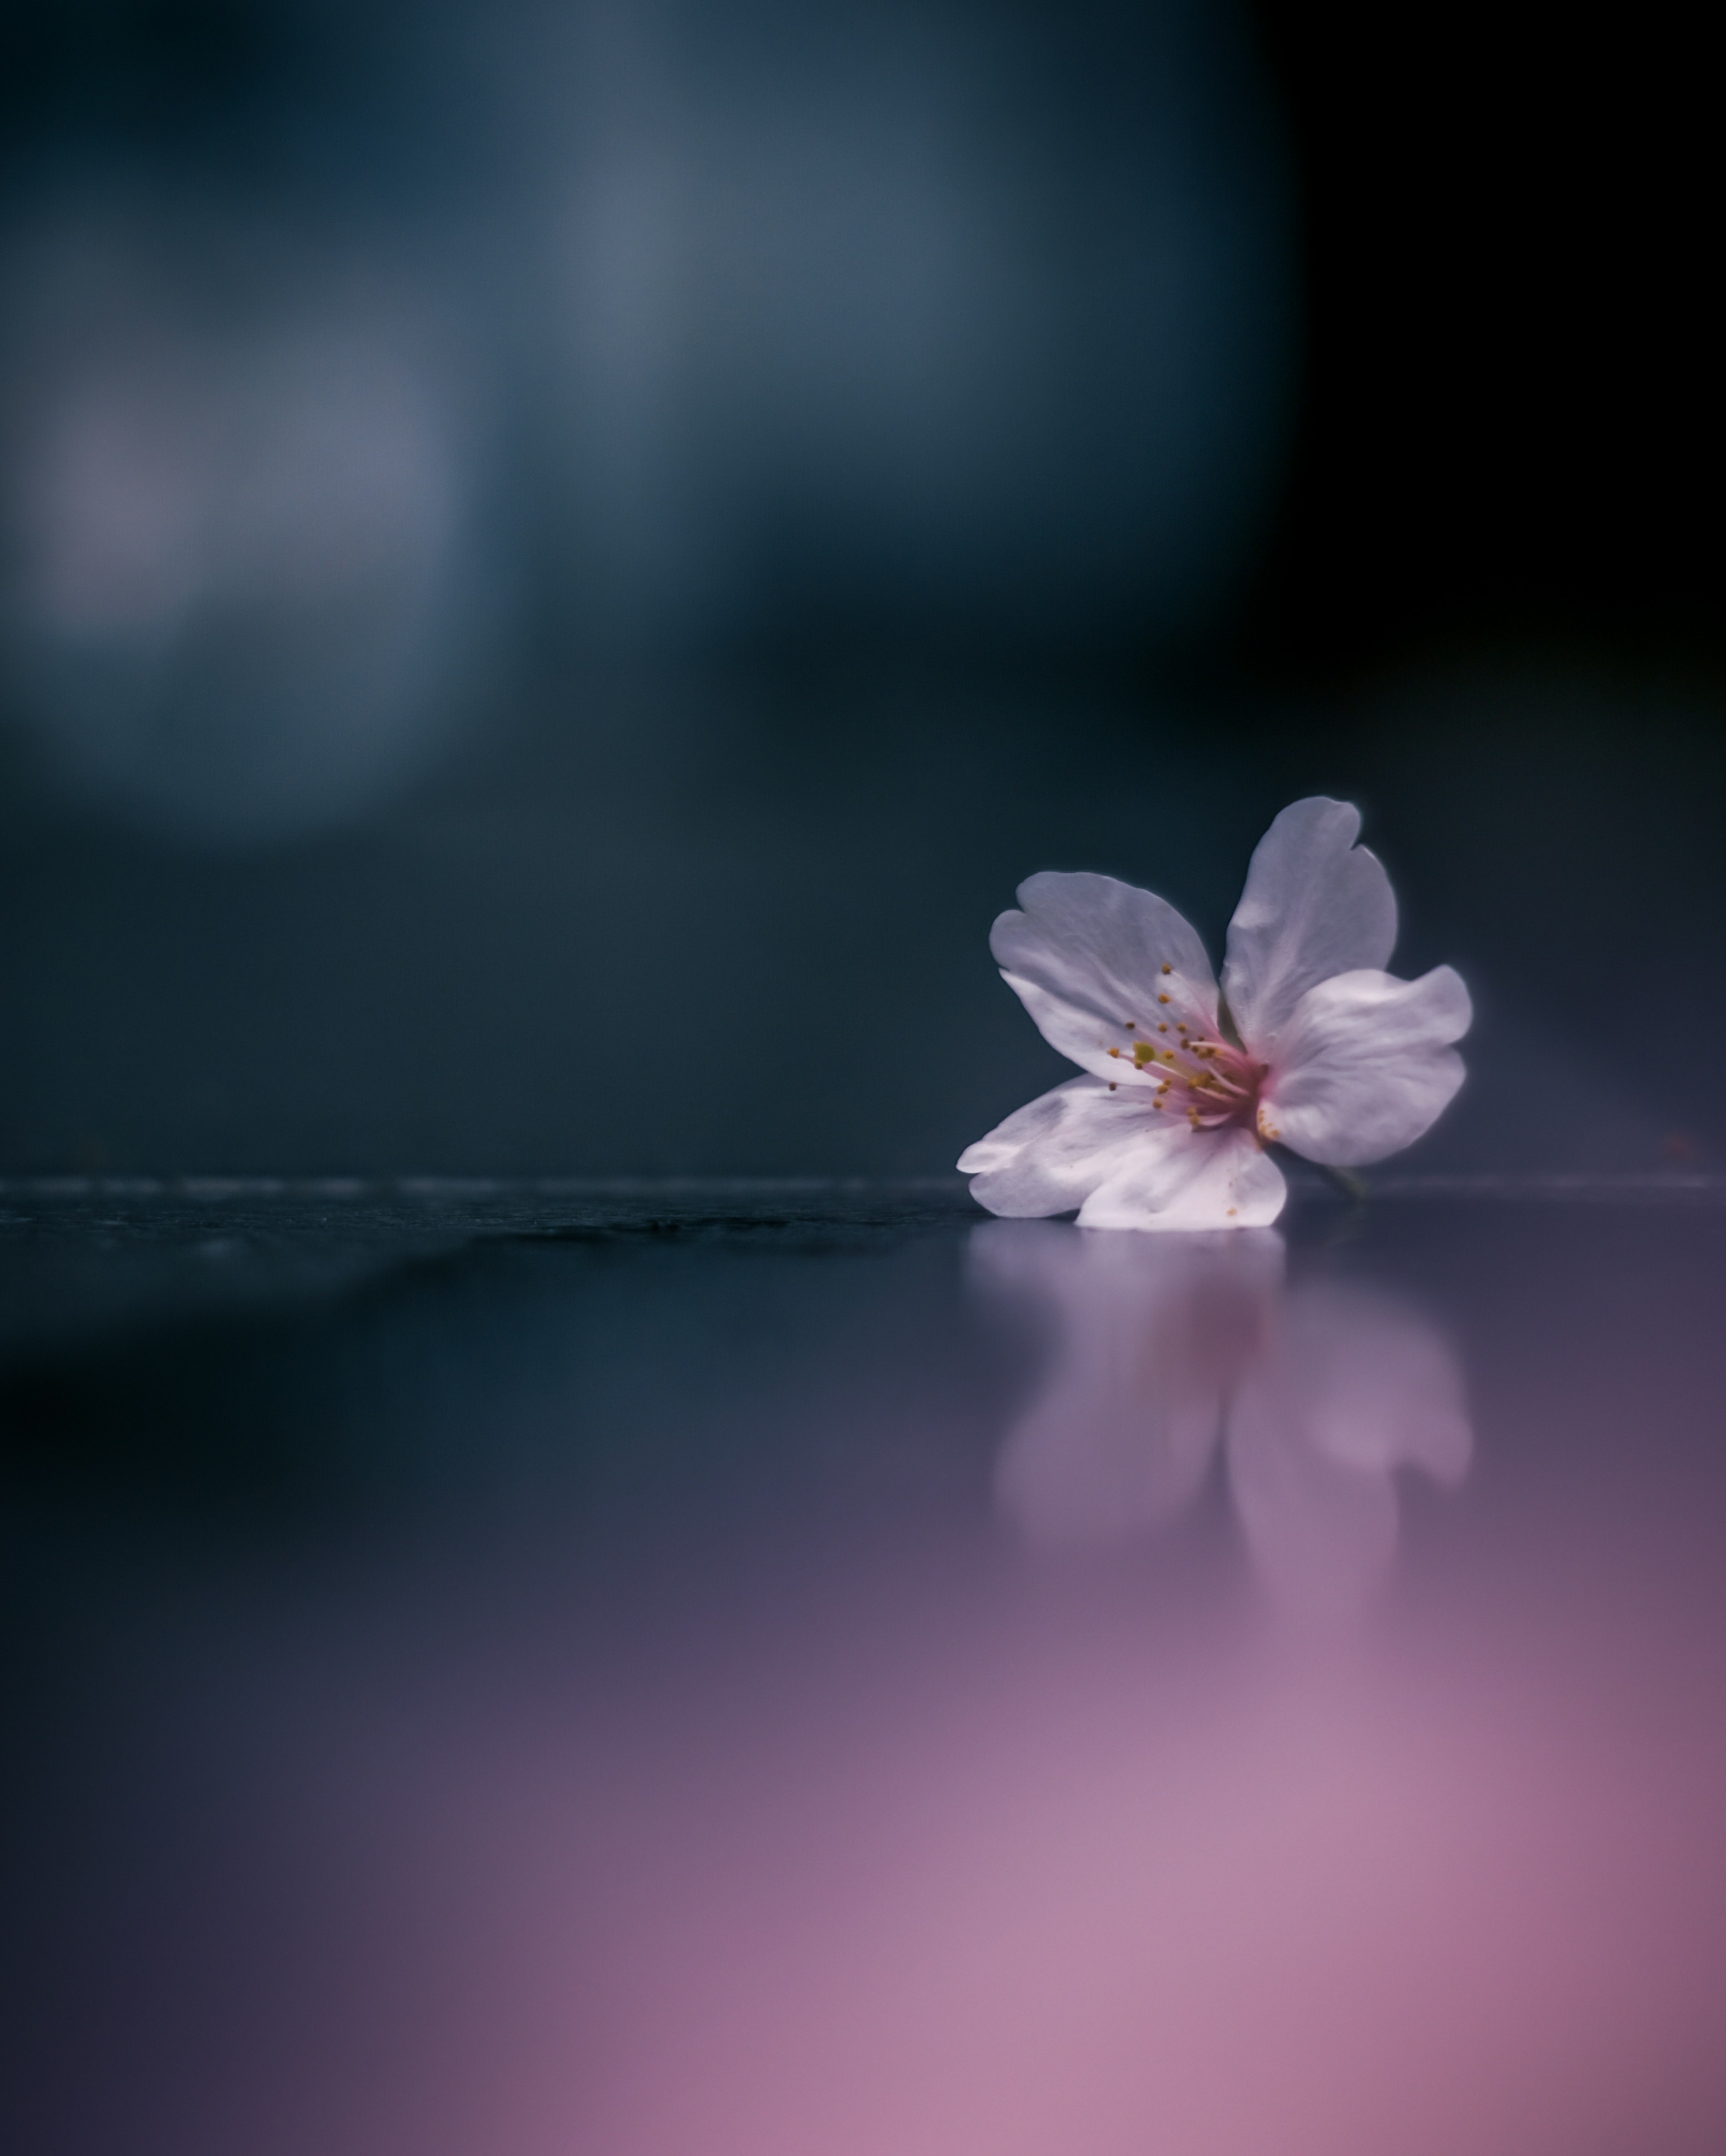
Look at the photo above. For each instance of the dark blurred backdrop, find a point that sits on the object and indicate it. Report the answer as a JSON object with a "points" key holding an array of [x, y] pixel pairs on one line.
{"points": [[558, 562]]}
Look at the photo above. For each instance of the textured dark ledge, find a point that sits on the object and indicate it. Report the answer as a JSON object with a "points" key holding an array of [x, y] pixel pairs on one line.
{"points": [[772, 1191]]}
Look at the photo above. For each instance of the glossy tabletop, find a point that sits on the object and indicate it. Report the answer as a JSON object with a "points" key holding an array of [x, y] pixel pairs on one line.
{"points": [[811, 1670]]}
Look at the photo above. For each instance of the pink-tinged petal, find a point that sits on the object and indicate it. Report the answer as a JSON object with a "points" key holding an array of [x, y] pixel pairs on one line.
{"points": [[1095, 962], [1049, 1156], [1356, 1384], [1180, 1178], [1150, 1334], [1315, 905], [1366, 1065]]}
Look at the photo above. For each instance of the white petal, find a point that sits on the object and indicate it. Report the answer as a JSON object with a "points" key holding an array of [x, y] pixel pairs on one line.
{"points": [[1050, 1155], [1366, 1065], [1086, 957], [1177, 1177], [1355, 1385], [1315, 905], [1149, 1335]]}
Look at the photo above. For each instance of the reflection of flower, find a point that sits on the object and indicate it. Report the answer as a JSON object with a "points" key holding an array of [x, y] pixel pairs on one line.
{"points": [[1164, 1348], [1312, 1043]]}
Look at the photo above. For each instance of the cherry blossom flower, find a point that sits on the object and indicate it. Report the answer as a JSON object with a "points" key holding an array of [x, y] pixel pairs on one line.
{"points": [[1309, 1044], [1164, 1352]]}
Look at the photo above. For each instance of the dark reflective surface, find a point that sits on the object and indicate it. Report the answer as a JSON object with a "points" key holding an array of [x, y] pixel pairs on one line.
{"points": [[808, 1668]]}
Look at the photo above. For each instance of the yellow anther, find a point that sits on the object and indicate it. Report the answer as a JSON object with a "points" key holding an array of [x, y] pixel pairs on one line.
{"points": [[1163, 999], [1167, 967], [1114, 1051]]}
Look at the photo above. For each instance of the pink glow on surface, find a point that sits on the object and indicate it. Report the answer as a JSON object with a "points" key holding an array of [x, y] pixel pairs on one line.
{"points": [[943, 1841], [940, 1886]]}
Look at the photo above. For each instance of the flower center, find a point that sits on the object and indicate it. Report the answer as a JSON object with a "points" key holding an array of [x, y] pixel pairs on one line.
{"points": [[1204, 1078]]}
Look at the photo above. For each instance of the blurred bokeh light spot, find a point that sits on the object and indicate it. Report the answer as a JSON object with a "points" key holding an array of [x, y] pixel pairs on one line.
{"points": [[236, 548], [914, 320]]}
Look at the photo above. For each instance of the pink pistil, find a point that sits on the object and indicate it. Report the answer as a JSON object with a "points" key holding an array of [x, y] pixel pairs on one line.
{"points": [[1209, 1081]]}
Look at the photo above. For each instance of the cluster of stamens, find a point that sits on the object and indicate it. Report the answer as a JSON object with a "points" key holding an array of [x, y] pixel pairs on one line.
{"points": [[1209, 1081]]}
